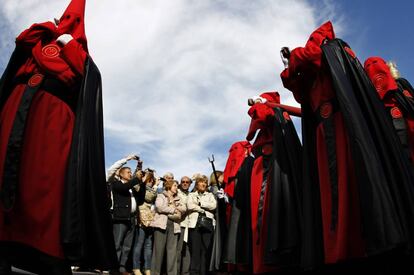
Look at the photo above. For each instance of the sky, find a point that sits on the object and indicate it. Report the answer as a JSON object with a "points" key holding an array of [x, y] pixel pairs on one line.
{"points": [[177, 73]]}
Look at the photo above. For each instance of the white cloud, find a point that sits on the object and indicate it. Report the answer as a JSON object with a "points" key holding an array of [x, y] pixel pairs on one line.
{"points": [[177, 74]]}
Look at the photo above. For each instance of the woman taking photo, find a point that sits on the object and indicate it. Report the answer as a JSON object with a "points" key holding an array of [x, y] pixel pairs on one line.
{"points": [[144, 231]]}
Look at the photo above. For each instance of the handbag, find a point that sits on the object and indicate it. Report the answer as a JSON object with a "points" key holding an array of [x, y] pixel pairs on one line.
{"points": [[204, 222]]}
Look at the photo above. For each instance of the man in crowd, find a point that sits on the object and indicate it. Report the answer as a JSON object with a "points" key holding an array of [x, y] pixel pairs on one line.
{"points": [[183, 250], [127, 193]]}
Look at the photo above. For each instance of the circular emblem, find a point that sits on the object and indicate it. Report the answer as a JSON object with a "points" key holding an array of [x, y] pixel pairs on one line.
{"points": [[396, 113], [286, 115], [267, 149], [35, 80], [51, 50], [380, 83], [407, 93], [325, 110]]}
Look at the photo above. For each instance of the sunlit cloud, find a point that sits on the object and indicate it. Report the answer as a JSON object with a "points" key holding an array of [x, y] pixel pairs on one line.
{"points": [[177, 74]]}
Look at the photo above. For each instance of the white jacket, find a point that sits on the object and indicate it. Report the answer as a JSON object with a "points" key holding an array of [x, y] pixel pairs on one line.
{"points": [[200, 203]]}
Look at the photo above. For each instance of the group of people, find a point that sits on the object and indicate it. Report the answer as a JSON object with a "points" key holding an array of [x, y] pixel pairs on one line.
{"points": [[157, 221], [340, 198]]}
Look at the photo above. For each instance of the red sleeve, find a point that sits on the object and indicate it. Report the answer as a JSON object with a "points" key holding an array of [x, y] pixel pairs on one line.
{"points": [[29, 38], [292, 83], [303, 64], [74, 54]]}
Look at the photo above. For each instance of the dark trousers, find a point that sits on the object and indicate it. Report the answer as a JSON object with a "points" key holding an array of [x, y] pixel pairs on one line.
{"points": [[200, 250], [124, 235], [30, 259], [183, 255], [165, 240], [143, 240]]}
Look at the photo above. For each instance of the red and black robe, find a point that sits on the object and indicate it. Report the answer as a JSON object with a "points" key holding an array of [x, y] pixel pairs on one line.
{"points": [[397, 98], [55, 198], [357, 190]]}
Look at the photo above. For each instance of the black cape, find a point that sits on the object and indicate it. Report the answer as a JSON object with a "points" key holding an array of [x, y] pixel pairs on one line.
{"points": [[285, 184], [406, 103], [239, 237], [385, 177], [86, 230]]}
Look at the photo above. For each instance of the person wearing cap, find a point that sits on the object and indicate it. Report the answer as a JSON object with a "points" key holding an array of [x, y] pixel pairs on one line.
{"points": [[51, 123]]}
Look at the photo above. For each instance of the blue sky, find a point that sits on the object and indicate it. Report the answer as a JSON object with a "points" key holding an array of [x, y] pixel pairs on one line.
{"points": [[177, 74]]}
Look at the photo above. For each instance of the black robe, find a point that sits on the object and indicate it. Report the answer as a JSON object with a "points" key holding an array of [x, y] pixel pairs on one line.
{"points": [[86, 228]]}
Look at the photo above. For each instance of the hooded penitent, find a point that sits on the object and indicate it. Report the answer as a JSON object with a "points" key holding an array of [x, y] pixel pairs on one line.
{"points": [[355, 177], [398, 102], [52, 177], [274, 187]]}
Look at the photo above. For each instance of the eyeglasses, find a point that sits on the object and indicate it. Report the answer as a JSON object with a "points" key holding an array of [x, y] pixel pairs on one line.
{"points": [[185, 181]]}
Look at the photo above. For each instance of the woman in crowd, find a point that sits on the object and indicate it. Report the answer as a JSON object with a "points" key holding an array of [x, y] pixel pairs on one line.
{"points": [[168, 212], [144, 231], [201, 205]]}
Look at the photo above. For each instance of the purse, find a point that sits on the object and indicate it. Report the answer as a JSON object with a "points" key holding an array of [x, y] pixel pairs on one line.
{"points": [[204, 222]]}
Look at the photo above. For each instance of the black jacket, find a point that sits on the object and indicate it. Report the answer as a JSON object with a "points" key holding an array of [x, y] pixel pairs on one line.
{"points": [[122, 198]]}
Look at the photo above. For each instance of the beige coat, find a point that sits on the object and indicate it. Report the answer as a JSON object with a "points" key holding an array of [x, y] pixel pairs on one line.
{"points": [[165, 208], [200, 203]]}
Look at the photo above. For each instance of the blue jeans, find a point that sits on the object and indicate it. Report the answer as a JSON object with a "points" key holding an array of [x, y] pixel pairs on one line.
{"points": [[143, 239]]}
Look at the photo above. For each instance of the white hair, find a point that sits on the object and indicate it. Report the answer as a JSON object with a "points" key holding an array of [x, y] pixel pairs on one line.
{"points": [[169, 175], [393, 69]]}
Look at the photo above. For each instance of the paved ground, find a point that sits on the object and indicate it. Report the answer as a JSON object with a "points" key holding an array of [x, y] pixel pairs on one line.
{"points": [[21, 272]]}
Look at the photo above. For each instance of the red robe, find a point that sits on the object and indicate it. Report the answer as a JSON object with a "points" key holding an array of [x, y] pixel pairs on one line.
{"points": [[36, 216], [261, 116], [311, 85]]}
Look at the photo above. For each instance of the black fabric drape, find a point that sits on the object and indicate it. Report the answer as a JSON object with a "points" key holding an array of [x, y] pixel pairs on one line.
{"points": [[7, 80], [312, 250], [285, 182], [404, 84], [86, 224], [383, 173], [239, 237]]}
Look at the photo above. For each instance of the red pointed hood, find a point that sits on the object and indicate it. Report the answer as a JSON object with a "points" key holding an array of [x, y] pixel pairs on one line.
{"points": [[237, 153], [380, 75], [73, 22], [325, 31], [259, 113]]}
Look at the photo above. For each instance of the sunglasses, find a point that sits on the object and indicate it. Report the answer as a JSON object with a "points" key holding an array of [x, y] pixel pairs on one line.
{"points": [[185, 181]]}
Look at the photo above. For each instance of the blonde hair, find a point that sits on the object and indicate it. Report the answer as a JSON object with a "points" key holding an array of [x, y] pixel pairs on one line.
{"points": [[393, 69], [201, 178], [213, 178]]}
